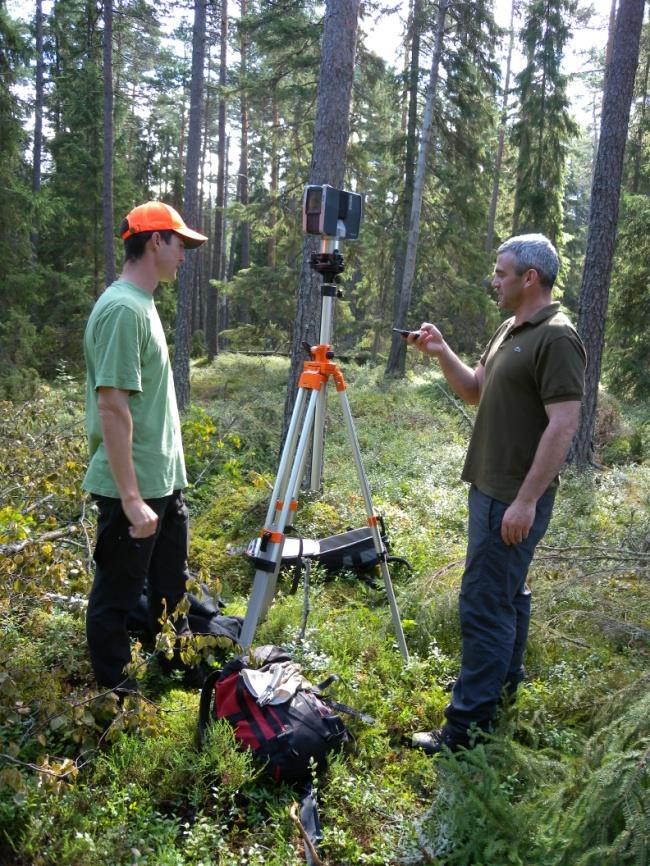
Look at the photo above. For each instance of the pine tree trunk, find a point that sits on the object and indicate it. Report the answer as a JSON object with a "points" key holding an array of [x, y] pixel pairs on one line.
{"points": [[611, 29], [204, 216], [411, 152], [271, 244], [328, 165], [396, 359], [38, 116], [211, 326], [107, 175], [190, 211], [603, 216], [638, 144], [245, 229], [492, 213]]}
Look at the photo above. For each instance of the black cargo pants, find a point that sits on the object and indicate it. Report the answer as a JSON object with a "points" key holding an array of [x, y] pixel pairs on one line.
{"points": [[123, 566]]}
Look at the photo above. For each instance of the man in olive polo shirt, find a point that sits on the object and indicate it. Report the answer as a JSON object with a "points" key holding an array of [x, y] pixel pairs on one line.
{"points": [[529, 384], [136, 471]]}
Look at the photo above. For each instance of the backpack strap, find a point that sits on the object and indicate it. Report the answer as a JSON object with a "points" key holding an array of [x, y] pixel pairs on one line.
{"points": [[297, 569], [205, 703], [308, 823], [350, 711], [337, 705], [400, 560]]}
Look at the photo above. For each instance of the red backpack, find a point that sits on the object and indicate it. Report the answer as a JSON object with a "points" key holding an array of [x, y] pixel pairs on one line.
{"points": [[288, 737]]}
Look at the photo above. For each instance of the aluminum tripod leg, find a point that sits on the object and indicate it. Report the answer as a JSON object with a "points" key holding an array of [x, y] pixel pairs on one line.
{"points": [[372, 521], [290, 472]]}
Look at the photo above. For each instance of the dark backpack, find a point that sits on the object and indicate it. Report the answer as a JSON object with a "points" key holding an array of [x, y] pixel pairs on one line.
{"points": [[288, 737]]}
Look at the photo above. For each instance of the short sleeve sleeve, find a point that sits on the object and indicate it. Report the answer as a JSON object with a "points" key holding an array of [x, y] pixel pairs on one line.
{"points": [[561, 369], [117, 350]]}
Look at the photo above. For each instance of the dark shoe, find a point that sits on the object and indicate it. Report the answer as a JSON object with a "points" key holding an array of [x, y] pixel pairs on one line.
{"points": [[194, 677], [126, 689], [182, 626], [434, 742]]}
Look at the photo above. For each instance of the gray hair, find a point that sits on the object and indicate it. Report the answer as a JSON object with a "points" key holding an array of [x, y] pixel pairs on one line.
{"points": [[533, 251]]}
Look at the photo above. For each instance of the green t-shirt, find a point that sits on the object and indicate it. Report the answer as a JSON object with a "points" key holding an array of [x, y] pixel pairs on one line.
{"points": [[539, 362], [125, 347]]}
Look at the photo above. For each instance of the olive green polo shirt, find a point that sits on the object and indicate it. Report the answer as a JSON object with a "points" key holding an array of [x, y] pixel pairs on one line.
{"points": [[125, 348], [527, 367]]}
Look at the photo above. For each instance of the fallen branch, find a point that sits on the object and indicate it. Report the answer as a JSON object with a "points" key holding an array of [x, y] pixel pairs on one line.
{"points": [[89, 547], [591, 552], [610, 625], [293, 814], [39, 502], [60, 776], [17, 546], [546, 627], [457, 405]]}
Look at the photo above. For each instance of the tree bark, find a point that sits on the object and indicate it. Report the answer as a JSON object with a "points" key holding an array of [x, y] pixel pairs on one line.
{"points": [[271, 244], [107, 172], [397, 356], [603, 216], [638, 144], [38, 116], [328, 165], [411, 152], [190, 211], [489, 235], [211, 325], [200, 278], [244, 228]]}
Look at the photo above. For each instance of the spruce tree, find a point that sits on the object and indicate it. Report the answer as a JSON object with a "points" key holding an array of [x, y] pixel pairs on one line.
{"points": [[544, 127]]}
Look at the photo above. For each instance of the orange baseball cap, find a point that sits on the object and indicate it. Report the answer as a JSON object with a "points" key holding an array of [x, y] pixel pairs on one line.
{"points": [[156, 216]]}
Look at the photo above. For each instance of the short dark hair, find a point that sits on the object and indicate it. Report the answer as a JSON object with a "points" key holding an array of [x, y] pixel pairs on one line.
{"points": [[134, 244], [533, 251]]}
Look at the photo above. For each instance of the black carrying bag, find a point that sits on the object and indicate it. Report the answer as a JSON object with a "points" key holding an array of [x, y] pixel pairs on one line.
{"points": [[291, 738], [204, 617], [353, 550]]}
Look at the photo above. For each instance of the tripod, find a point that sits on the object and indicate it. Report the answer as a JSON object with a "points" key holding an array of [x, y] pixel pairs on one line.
{"points": [[312, 386]]}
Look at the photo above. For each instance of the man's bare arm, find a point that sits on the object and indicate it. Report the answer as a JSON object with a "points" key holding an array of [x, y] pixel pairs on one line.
{"points": [[465, 381], [553, 447], [117, 431]]}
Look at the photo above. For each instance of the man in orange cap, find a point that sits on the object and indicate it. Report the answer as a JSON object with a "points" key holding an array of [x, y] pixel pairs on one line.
{"points": [[136, 472]]}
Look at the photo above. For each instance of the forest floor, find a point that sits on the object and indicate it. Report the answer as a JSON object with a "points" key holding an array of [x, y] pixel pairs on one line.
{"points": [[563, 780]]}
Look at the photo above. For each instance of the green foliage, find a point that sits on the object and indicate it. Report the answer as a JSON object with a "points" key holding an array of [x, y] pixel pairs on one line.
{"points": [[608, 823], [43, 329], [544, 127], [84, 778], [628, 354], [14, 218], [207, 449]]}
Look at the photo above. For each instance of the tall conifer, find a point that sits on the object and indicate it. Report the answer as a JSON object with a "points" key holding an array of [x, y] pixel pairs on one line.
{"points": [[544, 126]]}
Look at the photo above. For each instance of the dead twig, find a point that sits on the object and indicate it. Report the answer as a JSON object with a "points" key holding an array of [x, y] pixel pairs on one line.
{"points": [[38, 502], [89, 547], [587, 551], [293, 814], [38, 769], [545, 626], [459, 406], [17, 546]]}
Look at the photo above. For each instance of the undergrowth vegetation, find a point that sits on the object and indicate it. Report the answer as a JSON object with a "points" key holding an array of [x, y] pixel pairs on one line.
{"points": [[562, 782]]}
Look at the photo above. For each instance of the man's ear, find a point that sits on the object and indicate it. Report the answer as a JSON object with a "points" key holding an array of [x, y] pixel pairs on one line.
{"points": [[530, 277]]}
